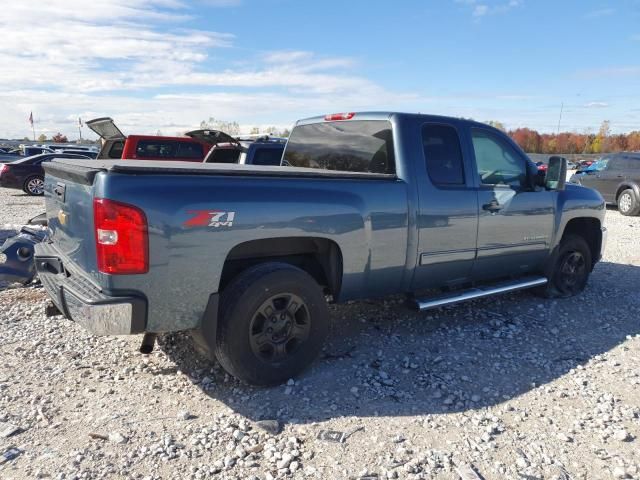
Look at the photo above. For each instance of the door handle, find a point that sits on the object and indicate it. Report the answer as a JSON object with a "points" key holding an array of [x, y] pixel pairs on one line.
{"points": [[493, 206], [620, 176]]}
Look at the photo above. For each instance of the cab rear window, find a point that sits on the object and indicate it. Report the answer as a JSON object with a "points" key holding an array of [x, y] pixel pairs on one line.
{"points": [[349, 146]]}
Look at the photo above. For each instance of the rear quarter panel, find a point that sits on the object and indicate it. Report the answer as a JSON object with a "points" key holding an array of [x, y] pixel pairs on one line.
{"points": [[367, 219]]}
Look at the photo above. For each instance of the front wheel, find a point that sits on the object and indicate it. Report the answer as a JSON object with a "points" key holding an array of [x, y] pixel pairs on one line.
{"points": [[34, 185], [569, 273], [273, 320], [628, 204]]}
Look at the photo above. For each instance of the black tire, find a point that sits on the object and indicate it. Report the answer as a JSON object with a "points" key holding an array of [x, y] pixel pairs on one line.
{"points": [[34, 185], [570, 268], [628, 203], [272, 323]]}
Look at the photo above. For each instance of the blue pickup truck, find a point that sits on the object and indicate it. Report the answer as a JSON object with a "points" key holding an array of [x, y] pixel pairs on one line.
{"points": [[364, 205]]}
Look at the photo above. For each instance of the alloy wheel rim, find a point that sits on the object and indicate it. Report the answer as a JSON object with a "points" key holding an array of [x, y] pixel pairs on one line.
{"points": [[625, 202], [279, 328], [36, 186], [573, 270]]}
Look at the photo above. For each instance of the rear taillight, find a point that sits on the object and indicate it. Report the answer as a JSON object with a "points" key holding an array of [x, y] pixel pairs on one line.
{"points": [[122, 241], [338, 116]]}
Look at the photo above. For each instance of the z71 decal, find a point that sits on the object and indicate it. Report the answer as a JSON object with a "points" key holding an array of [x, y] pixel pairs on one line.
{"points": [[210, 218]]}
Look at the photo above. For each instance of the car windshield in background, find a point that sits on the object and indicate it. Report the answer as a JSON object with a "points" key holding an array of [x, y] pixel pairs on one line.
{"points": [[349, 146], [598, 165]]}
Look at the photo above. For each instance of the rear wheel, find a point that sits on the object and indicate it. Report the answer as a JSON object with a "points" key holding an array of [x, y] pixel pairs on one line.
{"points": [[570, 271], [273, 320], [628, 204], [34, 185]]}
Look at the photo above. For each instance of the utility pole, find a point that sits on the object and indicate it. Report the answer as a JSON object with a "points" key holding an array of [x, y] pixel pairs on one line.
{"points": [[80, 128], [33, 129], [560, 119]]}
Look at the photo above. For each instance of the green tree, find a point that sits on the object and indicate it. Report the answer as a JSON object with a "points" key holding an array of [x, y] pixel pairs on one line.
{"points": [[42, 138]]}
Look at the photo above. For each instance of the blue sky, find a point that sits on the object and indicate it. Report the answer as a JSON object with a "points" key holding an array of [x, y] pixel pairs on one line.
{"points": [[168, 64]]}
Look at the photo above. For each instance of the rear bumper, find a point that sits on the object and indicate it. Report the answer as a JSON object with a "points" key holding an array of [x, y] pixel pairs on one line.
{"points": [[9, 181], [83, 302]]}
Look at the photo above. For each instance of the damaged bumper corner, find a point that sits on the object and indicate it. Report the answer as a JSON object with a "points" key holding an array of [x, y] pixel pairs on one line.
{"points": [[16, 255]]}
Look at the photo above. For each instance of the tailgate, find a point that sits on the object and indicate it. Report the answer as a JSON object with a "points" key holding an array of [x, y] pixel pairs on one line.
{"points": [[69, 195]]}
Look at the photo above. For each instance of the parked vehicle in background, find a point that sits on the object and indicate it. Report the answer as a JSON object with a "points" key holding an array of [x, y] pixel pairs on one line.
{"points": [[541, 166], [191, 148], [371, 204], [29, 150], [87, 153], [262, 150], [617, 178], [9, 155], [27, 174]]}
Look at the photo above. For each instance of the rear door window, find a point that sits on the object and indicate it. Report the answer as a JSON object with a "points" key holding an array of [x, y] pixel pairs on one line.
{"points": [[267, 156], [223, 155], [443, 154], [349, 146], [116, 150], [156, 149], [191, 150]]}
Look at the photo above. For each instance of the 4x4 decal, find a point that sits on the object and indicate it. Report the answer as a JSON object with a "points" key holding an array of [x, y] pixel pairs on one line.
{"points": [[210, 218]]}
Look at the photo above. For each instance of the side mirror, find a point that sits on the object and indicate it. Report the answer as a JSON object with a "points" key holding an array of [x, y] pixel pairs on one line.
{"points": [[556, 177], [535, 177]]}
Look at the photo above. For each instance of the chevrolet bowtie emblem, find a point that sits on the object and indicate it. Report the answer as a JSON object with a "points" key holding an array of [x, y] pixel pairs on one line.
{"points": [[62, 217]]}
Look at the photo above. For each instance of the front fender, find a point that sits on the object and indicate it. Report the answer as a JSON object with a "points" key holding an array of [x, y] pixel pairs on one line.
{"points": [[576, 201]]}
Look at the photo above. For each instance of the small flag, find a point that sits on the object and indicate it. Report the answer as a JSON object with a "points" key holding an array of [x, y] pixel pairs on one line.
{"points": [[31, 119]]}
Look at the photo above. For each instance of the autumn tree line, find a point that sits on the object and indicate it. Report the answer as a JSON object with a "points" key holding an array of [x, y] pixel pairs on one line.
{"points": [[571, 142]]}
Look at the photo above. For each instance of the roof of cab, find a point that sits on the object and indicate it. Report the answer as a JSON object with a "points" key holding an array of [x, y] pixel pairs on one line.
{"points": [[388, 116]]}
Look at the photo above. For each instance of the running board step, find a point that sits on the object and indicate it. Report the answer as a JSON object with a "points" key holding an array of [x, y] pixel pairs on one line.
{"points": [[479, 292]]}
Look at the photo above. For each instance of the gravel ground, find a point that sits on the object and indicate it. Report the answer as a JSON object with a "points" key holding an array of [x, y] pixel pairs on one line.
{"points": [[512, 387]]}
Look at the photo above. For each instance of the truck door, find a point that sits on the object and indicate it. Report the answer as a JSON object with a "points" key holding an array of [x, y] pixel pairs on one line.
{"points": [[515, 224], [448, 210]]}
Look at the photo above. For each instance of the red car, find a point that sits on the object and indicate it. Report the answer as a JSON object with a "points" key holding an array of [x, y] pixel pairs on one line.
{"points": [[191, 148]]}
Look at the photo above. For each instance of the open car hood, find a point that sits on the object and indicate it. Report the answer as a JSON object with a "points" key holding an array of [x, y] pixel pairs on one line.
{"points": [[212, 137], [105, 128]]}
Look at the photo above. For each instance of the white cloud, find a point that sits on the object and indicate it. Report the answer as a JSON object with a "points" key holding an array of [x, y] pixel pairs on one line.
{"points": [[596, 105], [482, 8], [110, 57], [602, 12]]}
